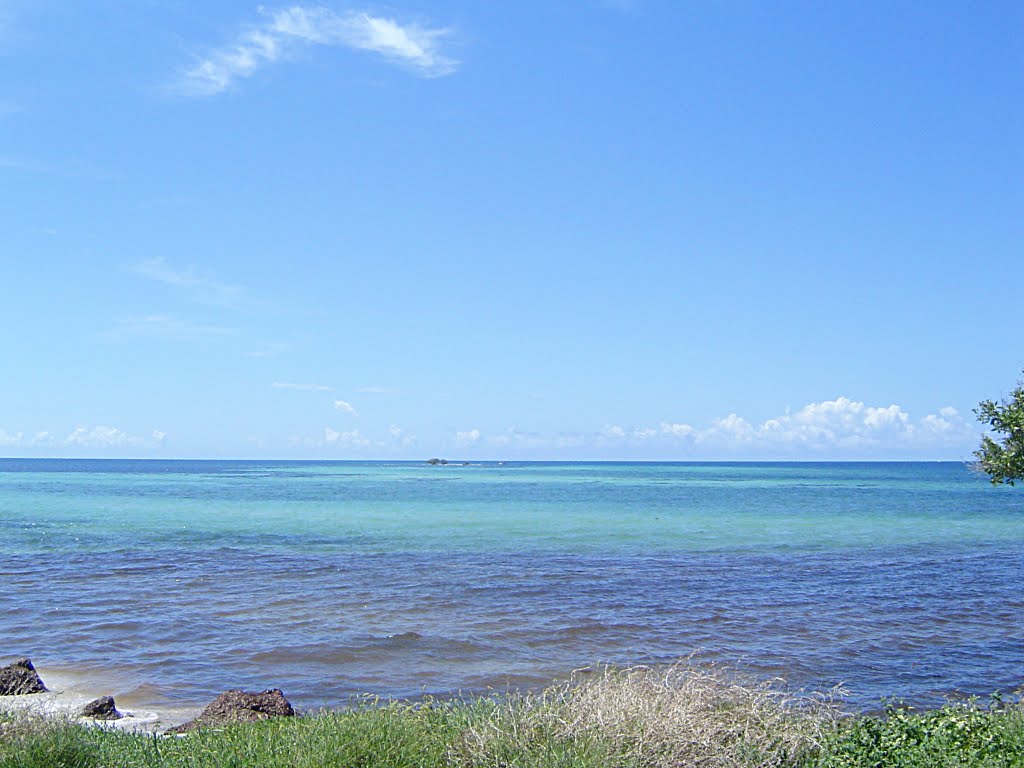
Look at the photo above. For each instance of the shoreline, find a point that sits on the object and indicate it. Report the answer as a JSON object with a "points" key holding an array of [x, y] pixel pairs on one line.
{"points": [[67, 693], [604, 718]]}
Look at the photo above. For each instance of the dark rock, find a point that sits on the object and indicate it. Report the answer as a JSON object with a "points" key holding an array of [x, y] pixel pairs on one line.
{"points": [[20, 678], [240, 707], [101, 709]]}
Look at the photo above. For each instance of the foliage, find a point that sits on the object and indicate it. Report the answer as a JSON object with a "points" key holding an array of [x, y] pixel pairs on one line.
{"points": [[965, 736], [1003, 459]]}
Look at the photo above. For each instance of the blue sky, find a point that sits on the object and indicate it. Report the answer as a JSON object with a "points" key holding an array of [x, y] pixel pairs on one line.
{"points": [[582, 230]]}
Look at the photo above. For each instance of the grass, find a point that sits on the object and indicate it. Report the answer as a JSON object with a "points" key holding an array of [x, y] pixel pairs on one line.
{"points": [[635, 718]]}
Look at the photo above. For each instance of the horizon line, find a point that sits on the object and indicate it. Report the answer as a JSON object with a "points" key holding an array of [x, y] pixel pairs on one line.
{"points": [[465, 462]]}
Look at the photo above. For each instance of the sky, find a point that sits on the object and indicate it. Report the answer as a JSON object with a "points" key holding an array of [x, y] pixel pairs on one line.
{"points": [[594, 229]]}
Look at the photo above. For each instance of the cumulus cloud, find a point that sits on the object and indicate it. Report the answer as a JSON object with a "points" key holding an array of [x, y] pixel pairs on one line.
{"points": [[732, 428], [947, 422], [832, 429], [345, 407], [468, 437], [100, 437], [82, 437], [841, 423], [415, 47], [676, 430]]}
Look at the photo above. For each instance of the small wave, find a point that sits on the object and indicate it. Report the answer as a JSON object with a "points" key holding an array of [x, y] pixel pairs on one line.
{"points": [[405, 637]]}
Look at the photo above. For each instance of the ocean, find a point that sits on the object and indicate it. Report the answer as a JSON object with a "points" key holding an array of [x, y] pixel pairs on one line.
{"points": [[168, 582]]}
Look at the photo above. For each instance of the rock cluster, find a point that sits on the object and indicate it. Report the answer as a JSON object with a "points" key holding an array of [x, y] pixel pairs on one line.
{"points": [[20, 678], [240, 707]]}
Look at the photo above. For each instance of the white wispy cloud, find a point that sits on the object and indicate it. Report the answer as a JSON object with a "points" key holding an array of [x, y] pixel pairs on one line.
{"points": [[283, 31], [375, 390], [8, 107], [10, 439], [345, 407], [302, 387], [72, 169], [21, 164], [353, 438], [396, 439], [269, 349], [169, 328], [399, 438], [468, 437], [518, 438], [612, 432], [198, 287]]}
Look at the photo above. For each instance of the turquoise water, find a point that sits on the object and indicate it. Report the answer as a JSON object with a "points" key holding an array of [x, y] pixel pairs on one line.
{"points": [[184, 578]]}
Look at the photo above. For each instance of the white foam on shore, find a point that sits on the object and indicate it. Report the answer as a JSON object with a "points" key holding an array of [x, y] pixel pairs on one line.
{"points": [[69, 692]]}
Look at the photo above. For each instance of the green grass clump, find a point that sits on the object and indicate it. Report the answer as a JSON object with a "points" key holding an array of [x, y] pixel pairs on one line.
{"points": [[34, 743], [389, 735]]}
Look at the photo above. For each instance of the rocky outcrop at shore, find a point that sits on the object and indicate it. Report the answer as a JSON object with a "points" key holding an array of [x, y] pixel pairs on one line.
{"points": [[240, 707], [20, 678], [102, 708]]}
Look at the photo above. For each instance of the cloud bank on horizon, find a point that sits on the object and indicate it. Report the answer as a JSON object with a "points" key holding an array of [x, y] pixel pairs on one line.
{"points": [[838, 429], [282, 32], [82, 440]]}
